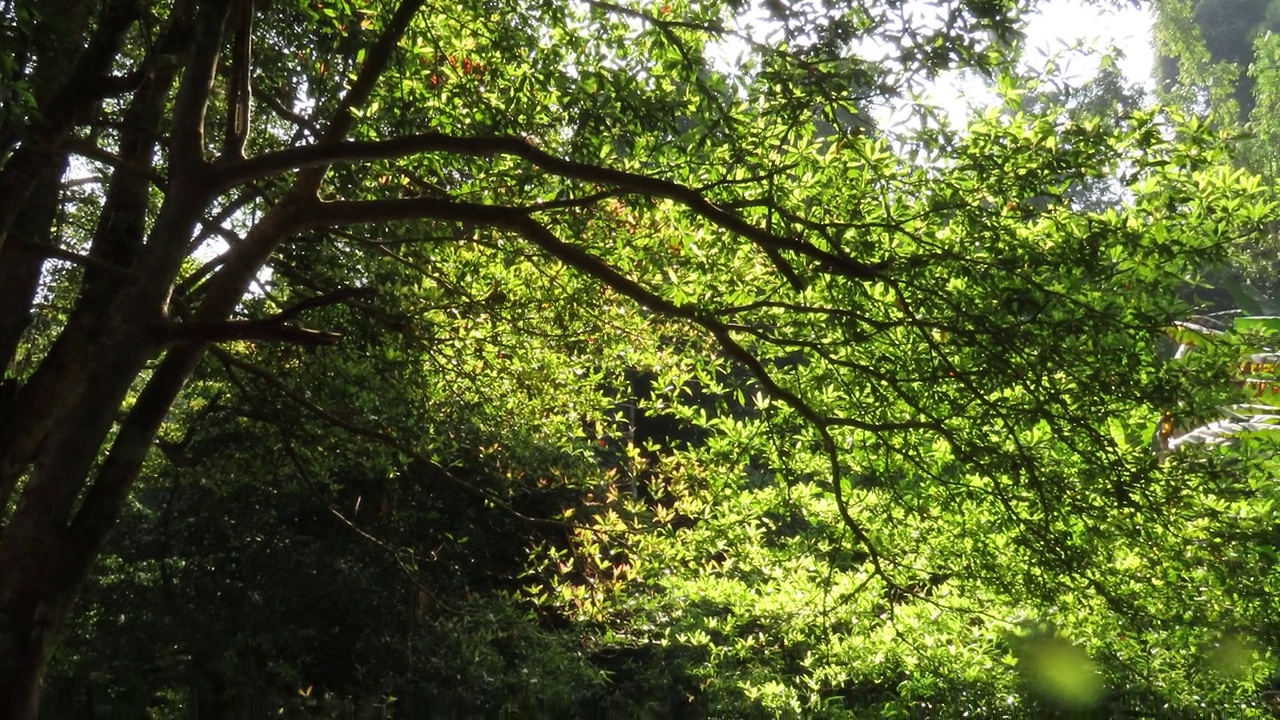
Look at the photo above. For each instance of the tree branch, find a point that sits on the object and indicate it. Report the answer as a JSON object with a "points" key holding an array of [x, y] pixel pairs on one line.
{"points": [[104, 500], [280, 109], [186, 149], [327, 153], [50, 251], [239, 87], [331, 298], [322, 214], [376, 60], [270, 329], [597, 268], [87, 149], [243, 261]]}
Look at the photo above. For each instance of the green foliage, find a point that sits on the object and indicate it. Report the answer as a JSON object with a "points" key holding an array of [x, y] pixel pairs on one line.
{"points": [[681, 388], [1207, 49], [996, 466]]}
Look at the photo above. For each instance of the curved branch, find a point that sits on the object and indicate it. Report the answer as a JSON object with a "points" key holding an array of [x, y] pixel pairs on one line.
{"points": [[286, 113], [317, 214], [239, 112], [269, 330], [326, 153], [597, 268], [23, 245]]}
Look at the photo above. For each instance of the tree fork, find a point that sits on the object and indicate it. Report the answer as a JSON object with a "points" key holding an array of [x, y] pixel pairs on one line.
{"points": [[45, 554], [55, 426], [57, 385]]}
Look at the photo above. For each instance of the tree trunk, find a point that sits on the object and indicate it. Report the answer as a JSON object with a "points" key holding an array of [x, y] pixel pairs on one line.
{"points": [[57, 423], [36, 593], [21, 262]]}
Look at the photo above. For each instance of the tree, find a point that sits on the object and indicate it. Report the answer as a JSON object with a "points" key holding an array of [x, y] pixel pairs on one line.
{"points": [[138, 103], [1207, 49], [1034, 499], [204, 175]]}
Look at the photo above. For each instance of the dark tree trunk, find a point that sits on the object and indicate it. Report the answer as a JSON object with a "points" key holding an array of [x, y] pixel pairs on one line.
{"points": [[54, 427], [36, 592], [22, 260], [61, 487], [43, 559]]}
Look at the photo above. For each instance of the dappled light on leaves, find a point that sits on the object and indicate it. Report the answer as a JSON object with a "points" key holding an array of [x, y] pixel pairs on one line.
{"points": [[609, 357]]}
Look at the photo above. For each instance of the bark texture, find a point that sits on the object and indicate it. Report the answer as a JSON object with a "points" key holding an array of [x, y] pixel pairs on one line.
{"points": [[71, 445]]}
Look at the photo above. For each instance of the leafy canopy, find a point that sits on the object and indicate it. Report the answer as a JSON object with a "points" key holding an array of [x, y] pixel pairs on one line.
{"points": [[906, 380]]}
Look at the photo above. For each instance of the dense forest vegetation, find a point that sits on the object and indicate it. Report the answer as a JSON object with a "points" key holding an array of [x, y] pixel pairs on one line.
{"points": [[572, 358]]}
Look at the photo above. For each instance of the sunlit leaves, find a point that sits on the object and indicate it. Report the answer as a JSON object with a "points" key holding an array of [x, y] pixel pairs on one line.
{"points": [[801, 483], [1004, 380]]}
